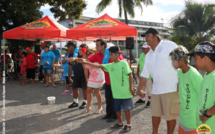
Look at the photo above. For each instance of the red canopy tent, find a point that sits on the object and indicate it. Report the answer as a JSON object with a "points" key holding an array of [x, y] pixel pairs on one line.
{"points": [[103, 27], [44, 29]]}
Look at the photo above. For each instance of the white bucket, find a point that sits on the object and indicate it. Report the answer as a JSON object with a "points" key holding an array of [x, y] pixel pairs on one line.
{"points": [[51, 99]]}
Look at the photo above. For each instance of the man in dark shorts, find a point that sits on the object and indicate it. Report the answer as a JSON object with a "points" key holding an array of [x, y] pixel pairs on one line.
{"points": [[31, 58], [79, 80]]}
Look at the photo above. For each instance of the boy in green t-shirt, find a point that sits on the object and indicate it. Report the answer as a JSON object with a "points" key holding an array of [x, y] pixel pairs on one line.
{"points": [[205, 60], [121, 85], [189, 83]]}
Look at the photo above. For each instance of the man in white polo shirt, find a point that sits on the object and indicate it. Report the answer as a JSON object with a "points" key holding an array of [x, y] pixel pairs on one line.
{"points": [[165, 99]]}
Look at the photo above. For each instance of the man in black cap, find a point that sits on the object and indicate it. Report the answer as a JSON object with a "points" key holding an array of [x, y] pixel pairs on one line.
{"points": [[79, 80], [164, 99]]}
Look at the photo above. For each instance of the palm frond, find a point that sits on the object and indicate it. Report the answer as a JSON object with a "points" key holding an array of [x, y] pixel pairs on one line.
{"points": [[102, 5], [128, 5]]}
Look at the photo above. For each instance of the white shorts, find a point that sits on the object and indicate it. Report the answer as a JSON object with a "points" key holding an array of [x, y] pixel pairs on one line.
{"points": [[147, 89]]}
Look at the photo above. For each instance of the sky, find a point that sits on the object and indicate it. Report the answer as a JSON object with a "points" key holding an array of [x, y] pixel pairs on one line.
{"points": [[162, 11]]}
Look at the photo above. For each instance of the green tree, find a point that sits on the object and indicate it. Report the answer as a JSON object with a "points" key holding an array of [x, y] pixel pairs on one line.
{"points": [[67, 9], [195, 24], [126, 6], [14, 13]]}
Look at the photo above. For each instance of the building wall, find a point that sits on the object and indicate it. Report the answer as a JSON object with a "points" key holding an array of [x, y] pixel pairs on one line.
{"points": [[141, 26]]}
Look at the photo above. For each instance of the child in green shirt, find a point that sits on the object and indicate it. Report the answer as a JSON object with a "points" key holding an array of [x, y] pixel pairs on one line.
{"points": [[205, 60], [189, 83], [121, 85]]}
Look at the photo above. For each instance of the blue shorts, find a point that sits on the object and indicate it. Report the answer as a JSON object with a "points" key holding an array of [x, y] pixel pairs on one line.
{"points": [[48, 71], [123, 104]]}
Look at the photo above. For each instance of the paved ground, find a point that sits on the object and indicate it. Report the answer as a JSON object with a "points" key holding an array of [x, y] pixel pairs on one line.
{"points": [[27, 112]]}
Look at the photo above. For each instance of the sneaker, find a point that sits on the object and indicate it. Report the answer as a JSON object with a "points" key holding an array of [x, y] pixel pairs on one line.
{"points": [[71, 94], [116, 126], [83, 105], [105, 117], [148, 104], [140, 101], [126, 129], [66, 92], [111, 119], [74, 104]]}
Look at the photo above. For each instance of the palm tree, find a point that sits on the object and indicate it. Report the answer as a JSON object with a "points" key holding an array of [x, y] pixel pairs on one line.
{"points": [[195, 24], [127, 6]]}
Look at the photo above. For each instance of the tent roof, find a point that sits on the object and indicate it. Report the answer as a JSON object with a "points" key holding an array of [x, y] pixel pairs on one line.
{"points": [[44, 29], [103, 27]]}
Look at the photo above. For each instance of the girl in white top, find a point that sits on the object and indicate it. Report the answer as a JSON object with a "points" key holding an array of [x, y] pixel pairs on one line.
{"points": [[95, 79]]}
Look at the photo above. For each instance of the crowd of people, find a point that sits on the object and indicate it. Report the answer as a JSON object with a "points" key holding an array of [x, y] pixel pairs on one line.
{"points": [[171, 85]]}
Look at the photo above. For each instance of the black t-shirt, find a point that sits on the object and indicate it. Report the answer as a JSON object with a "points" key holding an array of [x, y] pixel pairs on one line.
{"points": [[77, 67]]}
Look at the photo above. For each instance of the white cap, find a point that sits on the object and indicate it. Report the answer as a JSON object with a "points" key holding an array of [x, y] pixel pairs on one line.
{"points": [[145, 46]]}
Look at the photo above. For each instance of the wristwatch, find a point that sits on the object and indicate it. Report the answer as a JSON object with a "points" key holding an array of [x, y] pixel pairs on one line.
{"points": [[206, 114]]}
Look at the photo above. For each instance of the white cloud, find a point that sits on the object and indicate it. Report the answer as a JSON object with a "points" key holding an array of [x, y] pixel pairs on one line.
{"points": [[46, 6], [169, 2], [111, 10], [150, 13]]}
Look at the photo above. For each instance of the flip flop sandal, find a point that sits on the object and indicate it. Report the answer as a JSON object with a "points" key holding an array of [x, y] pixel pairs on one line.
{"points": [[98, 111], [86, 111], [46, 85]]}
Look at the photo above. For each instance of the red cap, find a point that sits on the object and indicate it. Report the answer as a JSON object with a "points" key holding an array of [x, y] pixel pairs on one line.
{"points": [[43, 44], [28, 48]]}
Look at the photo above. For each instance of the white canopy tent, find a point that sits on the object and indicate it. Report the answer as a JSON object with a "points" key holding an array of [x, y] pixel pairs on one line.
{"points": [[90, 44]]}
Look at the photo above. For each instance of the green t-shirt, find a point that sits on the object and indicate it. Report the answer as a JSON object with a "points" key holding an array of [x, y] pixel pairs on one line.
{"points": [[189, 84], [206, 100], [119, 79], [141, 63]]}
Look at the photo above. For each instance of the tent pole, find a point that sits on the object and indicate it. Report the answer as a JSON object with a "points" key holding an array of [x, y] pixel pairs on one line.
{"points": [[61, 54], [3, 92], [137, 49]]}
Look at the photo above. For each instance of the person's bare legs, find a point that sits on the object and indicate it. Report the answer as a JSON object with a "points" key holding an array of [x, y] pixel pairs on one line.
{"points": [[155, 124], [119, 117], [84, 93], [47, 79], [33, 81], [56, 68], [52, 79], [99, 99], [67, 86], [171, 126], [89, 99], [75, 93], [128, 117], [29, 81], [23, 80]]}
